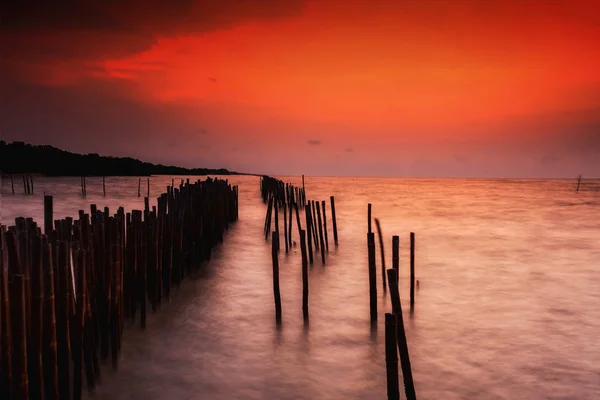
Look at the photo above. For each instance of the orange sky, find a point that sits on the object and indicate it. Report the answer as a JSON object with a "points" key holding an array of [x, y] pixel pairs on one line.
{"points": [[435, 88]]}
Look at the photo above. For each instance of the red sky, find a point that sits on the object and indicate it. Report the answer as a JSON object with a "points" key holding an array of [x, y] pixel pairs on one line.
{"points": [[324, 87]]}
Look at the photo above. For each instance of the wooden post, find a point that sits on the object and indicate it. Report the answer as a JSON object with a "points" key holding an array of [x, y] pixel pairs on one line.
{"points": [[369, 218], [409, 386], [578, 184], [24, 185], [48, 214], [396, 255], [49, 355], [290, 224], [304, 275], [325, 225], [372, 277], [63, 314], [313, 213], [139, 187], [104, 186], [285, 227], [309, 233], [34, 341], [335, 233], [391, 357], [6, 375], [412, 271], [321, 234], [303, 192], [276, 293], [378, 226], [277, 222], [31, 178], [148, 187], [18, 316], [12, 184]]}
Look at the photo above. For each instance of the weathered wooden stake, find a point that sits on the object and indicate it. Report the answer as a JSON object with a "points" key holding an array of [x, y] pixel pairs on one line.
{"points": [[391, 357], [104, 186], [276, 293], [412, 271], [12, 184], [396, 255], [378, 226], [335, 233], [148, 187], [277, 223], [322, 244], [285, 227], [325, 225], [303, 192], [372, 277], [409, 386], [309, 233], [48, 214], [304, 275], [369, 218], [139, 187]]}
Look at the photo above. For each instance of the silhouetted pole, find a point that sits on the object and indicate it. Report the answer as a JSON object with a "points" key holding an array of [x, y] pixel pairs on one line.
{"points": [[409, 386], [276, 207], [103, 186], [325, 225], [276, 293], [382, 255], [391, 357], [285, 227], [12, 184], [321, 234], [24, 185], [396, 255], [369, 218], [139, 187], [335, 233], [303, 192], [48, 214], [304, 275], [578, 184], [149, 187], [31, 178], [412, 270], [309, 233], [372, 277]]}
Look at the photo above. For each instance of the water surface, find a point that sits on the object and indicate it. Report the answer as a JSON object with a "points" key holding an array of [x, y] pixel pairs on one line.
{"points": [[508, 305]]}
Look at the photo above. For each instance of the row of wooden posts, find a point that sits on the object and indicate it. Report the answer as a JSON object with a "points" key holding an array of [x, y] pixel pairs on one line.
{"points": [[279, 195], [395, 335], [28, 185], [65, 294]]}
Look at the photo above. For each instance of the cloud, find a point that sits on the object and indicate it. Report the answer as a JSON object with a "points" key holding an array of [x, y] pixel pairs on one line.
{"points": [[314, 142], [36, 30]]}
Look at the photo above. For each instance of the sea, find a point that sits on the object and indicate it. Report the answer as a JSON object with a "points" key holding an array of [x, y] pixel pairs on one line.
{"points": [[507, 304]]}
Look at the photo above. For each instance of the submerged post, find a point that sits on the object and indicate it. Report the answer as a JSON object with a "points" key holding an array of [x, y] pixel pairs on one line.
{"points": [[378, 226], [48, 217], [372, 277], [12, 184], [335, 235], [276, 293], [412, 270], [396, 255], [139, 187], [325, 225], [391, 357], [304, 275], [369, 218], [409, 386], [103, 186]]}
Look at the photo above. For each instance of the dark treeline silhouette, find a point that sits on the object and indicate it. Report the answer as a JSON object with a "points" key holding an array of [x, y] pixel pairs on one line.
{"points": [[19, 157]]}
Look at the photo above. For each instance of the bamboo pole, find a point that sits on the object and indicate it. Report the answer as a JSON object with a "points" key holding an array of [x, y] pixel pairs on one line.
{"points": [[333, 220], [276, 278], [378, 226], [391, 357]]}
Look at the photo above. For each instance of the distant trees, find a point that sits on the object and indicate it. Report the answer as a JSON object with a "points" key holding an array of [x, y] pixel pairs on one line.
{"points": [[20, 157]]}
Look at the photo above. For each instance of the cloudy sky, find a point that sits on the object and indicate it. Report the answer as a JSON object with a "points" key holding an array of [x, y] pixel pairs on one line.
{"points": [[324, 87]]}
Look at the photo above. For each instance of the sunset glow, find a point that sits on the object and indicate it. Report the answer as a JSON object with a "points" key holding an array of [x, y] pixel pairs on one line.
{"points": [[327, 87]]}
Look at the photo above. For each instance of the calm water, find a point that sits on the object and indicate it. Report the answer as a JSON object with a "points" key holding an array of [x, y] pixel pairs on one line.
{"points": [[508, 305]]}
